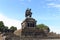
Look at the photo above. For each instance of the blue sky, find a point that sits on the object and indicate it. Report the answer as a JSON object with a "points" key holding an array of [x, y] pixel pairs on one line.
{"points": [[12, 12]]}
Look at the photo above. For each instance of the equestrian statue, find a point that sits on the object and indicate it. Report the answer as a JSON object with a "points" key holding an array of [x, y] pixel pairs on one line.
{"points": [[28, 13]]}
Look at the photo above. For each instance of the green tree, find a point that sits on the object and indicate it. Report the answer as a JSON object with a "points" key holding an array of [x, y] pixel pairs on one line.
{"points": [[1, 26], [13, 28], [43, 27], [5, 29]]}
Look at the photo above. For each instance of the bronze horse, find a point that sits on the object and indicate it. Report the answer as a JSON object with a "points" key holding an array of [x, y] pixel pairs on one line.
{"points": [[28, 13]]}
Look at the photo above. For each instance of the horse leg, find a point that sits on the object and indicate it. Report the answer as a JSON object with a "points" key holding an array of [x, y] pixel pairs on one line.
{"points": [[30, 15]]}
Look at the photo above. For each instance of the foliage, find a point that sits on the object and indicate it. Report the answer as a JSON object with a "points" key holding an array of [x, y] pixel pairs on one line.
{"points": [[1, 26], [43, 27], [13, 28], [4, 28]]}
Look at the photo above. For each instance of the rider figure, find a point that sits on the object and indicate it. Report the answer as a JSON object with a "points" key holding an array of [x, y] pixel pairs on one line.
{"points": [[28, 13]]}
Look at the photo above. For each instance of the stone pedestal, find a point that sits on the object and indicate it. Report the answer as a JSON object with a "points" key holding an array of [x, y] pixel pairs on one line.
{"points": [[28, 26], [28, 22]]}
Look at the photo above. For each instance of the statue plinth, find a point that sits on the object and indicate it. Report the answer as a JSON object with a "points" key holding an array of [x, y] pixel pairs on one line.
{"points": [[29, 22], [28, 26]]}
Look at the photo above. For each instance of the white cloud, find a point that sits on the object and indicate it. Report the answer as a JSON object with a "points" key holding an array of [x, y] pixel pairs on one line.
{"points": [[54, 5], [54, 29], [10, 22]]}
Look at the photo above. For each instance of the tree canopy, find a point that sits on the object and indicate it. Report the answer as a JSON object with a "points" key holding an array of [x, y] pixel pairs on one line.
{"points": [[43, 27], [13, 28], [4, 28], [1, 26]]}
